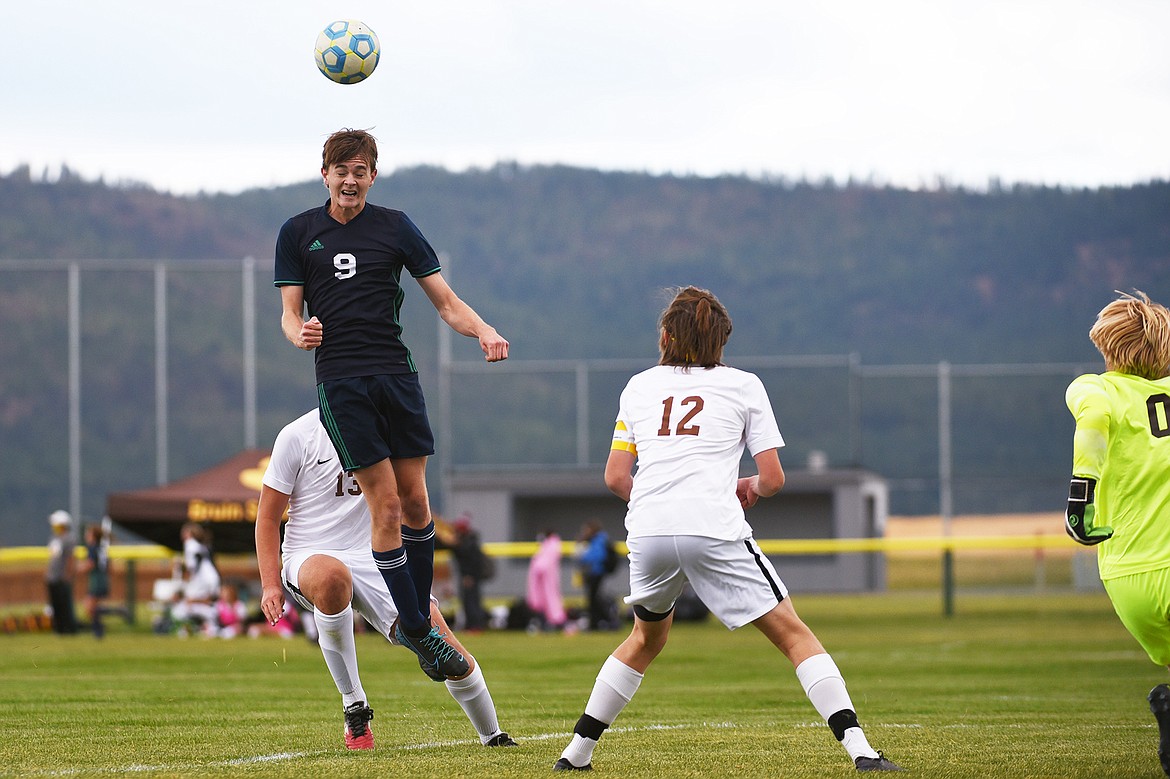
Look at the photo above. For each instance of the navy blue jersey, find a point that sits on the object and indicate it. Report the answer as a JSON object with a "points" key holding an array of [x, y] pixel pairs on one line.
{"points": [[350, 273]]}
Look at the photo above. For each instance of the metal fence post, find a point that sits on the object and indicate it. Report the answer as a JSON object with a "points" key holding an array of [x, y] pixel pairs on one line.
{"points": [[161, 433], [945, 495], [444, 430], [131, 591], [248, 293], [582, 413], [75, 393]]}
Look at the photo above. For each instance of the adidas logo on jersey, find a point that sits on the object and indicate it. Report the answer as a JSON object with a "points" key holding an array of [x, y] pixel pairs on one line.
{"points": [[315, 245]]}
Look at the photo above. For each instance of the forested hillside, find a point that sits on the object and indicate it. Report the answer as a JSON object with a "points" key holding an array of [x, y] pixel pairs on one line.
{"points": [[571, 263]]}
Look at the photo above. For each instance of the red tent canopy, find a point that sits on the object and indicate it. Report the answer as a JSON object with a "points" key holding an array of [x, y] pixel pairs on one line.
{"points": [[223, 497]]}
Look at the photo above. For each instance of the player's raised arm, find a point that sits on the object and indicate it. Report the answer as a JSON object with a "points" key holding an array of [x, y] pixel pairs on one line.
{"points": [[462, 318]]}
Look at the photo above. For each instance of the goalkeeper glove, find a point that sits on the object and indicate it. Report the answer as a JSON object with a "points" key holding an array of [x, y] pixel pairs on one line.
{"points": [[1078, 519]]}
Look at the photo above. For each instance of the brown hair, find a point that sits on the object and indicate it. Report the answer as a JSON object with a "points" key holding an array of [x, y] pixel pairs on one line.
{"points": [[1133, 335], [197, 531], [347, 144], [695, 328]]}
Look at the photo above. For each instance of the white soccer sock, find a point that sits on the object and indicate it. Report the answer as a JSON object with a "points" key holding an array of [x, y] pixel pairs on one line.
{"points": [[472, 695], [337, 645], [825, 688], [615, 687], [579, 752], [856, 744]]}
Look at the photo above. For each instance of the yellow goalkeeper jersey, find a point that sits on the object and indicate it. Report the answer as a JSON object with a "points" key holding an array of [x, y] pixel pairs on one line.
{"points": [[1122, 440]]}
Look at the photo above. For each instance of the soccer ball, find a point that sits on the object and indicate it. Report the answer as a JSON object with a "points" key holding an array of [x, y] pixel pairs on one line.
{"points": [[347, 51]]}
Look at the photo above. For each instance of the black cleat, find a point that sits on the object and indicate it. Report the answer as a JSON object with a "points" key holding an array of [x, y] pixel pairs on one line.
{"points": [[1159, 699], [564, 765], [434, 675], [879, 763], [501, 739], [435, 654]]}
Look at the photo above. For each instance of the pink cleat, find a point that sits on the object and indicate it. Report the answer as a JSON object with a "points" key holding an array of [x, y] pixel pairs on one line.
{"points": [[358, 734]]}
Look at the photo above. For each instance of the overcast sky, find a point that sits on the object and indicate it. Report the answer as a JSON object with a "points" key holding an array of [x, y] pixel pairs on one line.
{"points": [[223, 95]]}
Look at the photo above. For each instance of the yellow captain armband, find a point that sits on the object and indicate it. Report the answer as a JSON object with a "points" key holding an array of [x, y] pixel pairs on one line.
{"points": [[623, 441]]}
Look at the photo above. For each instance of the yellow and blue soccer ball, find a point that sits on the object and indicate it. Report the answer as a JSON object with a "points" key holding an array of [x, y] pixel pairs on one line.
{"points": [[347, 51]]}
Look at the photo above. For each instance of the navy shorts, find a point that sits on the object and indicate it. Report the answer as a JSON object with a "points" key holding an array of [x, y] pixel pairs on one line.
{"points": [[371, 418]]}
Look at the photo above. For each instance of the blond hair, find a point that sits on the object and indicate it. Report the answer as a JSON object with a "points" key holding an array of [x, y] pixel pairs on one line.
{"points": [[1133, 335]]}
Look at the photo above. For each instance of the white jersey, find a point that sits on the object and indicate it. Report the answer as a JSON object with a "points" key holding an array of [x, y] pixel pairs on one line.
{"points": [[202, 576], [688, 430], [326, 509]]}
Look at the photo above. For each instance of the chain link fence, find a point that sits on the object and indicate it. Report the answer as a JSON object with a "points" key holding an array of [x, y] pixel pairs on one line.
{"points": [[116, 375]]}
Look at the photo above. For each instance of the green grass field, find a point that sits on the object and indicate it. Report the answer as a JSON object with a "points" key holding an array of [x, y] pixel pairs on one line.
{"points": [[1011, 686]]}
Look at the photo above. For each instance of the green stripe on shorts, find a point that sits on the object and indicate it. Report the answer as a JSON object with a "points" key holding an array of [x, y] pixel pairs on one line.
{"points": [[331, 428]]}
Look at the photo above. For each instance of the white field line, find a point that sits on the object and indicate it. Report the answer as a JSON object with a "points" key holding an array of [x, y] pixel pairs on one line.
{"points": [[283, 756]]}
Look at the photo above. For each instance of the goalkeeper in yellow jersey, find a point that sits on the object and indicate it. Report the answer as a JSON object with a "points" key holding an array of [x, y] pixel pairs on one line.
{"points": [[1119, 497]]}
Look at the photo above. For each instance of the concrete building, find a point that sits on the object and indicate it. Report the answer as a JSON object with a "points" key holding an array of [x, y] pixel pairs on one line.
{"points": [[817, 503]]}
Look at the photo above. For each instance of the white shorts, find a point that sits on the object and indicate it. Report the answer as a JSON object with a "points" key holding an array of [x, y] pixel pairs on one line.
{"points": [[733, 578], [371, 598]]}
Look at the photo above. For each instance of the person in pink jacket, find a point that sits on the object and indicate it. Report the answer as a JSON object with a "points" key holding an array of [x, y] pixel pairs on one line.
{"points": [[544, 582]]}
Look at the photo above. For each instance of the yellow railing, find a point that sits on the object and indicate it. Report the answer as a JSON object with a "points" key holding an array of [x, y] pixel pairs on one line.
{"points": [[819, 546], [522, 549], [40, 554]]}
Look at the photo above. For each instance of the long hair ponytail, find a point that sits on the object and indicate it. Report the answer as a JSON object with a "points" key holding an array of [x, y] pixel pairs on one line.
{"points": [[695, 328]]}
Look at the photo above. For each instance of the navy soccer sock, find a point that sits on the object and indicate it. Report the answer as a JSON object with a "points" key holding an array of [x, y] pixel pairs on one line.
{"points": [[420, 560], [392, 565]]}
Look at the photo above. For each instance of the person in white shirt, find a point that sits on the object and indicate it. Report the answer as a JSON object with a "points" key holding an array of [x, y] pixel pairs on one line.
{"points": [[325, 564], [195, 609], [199, 571], [686, 423]]}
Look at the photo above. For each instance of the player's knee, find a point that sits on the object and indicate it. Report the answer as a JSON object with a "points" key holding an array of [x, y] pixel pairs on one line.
{"points": [[414, 504], [332, 590], [416, 512]]}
